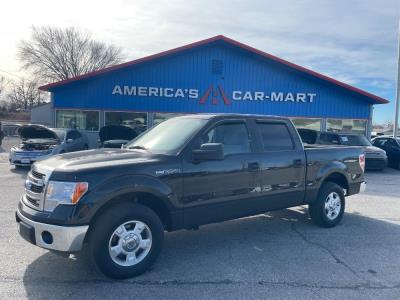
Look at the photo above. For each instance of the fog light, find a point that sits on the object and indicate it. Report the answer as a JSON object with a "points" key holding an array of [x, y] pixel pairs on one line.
{"points": [[47, 237]]}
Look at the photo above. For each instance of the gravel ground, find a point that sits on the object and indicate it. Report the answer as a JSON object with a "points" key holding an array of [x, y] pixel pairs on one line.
{"points": [[277, 255]]}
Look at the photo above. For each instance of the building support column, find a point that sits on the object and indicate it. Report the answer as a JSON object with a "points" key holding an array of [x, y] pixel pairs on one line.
{"points": [[323, 124], [369, 123]]}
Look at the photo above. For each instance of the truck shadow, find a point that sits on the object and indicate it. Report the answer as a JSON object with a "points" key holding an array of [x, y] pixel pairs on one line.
{"points": [[281, 247]]}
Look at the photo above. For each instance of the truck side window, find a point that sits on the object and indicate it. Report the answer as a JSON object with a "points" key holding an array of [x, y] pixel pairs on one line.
{"points": [[379, 142], [233, 136], [77, 135], [275, 136], [70, 135]]}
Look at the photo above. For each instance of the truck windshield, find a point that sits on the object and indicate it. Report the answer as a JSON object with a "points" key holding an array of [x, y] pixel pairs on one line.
{"points": [[169, 136], [354, 140]]}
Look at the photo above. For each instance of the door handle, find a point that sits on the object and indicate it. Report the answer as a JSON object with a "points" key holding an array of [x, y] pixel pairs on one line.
{"points": [[297, 163], [253, 166]]}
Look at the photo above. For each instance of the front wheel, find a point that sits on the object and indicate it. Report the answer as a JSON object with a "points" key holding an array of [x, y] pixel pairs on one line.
{"points": [[328, 209], [126, 240]]}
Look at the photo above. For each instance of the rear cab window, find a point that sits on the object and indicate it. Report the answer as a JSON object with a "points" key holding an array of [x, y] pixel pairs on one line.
{"points": [[275, 136], [329, 139]]}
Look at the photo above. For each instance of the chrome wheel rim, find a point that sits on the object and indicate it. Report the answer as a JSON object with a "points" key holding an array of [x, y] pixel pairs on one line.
{"points": [[333, 206], [130, 243]]}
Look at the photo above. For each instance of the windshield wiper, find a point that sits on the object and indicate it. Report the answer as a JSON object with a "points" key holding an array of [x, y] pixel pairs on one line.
{"points": [[138, 147]]}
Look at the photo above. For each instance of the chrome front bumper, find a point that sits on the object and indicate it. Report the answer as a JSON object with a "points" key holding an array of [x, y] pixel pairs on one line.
{"points": [[17, 160], [64, 238]]}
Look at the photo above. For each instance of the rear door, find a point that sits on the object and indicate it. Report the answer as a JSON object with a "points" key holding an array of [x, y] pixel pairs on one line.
{"points": [[220, 189], [282, 162]]}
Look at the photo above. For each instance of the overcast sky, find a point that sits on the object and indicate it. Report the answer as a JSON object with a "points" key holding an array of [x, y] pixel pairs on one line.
{"points": [[353, 41]]}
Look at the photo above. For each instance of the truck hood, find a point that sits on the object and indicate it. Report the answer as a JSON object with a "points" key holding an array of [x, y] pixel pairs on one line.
{"points": [[98, 158], [36, 132]]}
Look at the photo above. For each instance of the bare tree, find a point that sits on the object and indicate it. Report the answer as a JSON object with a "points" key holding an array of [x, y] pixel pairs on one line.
{"points": [[58, 54], [24, 94]]}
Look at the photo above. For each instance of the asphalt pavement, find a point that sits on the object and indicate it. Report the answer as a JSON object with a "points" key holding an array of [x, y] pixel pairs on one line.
{"points": [[276, 255]]}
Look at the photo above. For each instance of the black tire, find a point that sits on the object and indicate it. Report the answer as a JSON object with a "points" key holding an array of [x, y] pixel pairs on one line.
{"points": [[104, 228], [317, 210], [85, 147]]}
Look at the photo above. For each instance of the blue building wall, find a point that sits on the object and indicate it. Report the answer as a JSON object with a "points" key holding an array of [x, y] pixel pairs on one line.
{"points": [[192, 70]]}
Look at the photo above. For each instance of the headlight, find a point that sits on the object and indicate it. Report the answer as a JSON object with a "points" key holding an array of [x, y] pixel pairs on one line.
{"points": [[60, 192]]}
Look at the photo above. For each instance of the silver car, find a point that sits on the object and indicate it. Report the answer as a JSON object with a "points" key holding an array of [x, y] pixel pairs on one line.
{"points": [[39, 142]]}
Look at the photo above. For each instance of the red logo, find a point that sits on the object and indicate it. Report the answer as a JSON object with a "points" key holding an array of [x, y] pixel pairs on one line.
{"points": [[215, 94]]}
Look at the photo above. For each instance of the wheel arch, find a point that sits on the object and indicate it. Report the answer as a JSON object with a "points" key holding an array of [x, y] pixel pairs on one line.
{"points": [[338, 178], [147, 199]]}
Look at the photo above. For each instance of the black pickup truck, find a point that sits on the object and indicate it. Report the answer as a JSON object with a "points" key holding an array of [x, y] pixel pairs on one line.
{"points": [[183, 173]]}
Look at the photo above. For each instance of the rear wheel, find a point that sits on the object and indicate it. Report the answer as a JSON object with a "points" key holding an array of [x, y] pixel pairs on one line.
{"points": [[126, 240], [328, 209]]}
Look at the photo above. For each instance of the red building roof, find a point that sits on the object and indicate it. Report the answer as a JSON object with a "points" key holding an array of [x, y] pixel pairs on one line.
{"points": [[374, 98]]}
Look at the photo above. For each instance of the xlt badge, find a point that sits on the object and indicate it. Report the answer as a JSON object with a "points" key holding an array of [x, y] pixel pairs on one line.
{"points": [[168, 172]]}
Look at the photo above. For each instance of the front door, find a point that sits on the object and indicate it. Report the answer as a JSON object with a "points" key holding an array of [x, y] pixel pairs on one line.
{"points": [[218, 190]]}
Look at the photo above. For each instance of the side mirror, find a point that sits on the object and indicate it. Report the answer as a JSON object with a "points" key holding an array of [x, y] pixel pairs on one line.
{"points": [[209, 151], [70, 140]]}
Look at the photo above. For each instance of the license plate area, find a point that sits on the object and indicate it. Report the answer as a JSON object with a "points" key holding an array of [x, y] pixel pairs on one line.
{"points": [[25, 161]]}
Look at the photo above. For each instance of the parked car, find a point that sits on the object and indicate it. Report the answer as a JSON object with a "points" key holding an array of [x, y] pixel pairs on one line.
{"points": [[138, 124], [375, 158], [392, 147], [115, 136], [40, 142], [185, 172]]}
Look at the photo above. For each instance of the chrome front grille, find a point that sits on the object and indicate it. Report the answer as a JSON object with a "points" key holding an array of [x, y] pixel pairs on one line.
{"points": [[32, 201], [38, 175], [34, 189]]}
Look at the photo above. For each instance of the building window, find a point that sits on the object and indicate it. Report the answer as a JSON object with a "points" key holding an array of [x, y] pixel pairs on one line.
{"points": [[314, 124], [134, 120], [161, 117], [346, 126], [82, 120]]}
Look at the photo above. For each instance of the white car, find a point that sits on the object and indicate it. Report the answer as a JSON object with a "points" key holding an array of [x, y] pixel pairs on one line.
{"points": [[39, 142]]}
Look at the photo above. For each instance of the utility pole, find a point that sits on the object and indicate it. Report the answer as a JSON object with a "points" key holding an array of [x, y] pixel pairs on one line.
{"points": [[397, 103]]}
